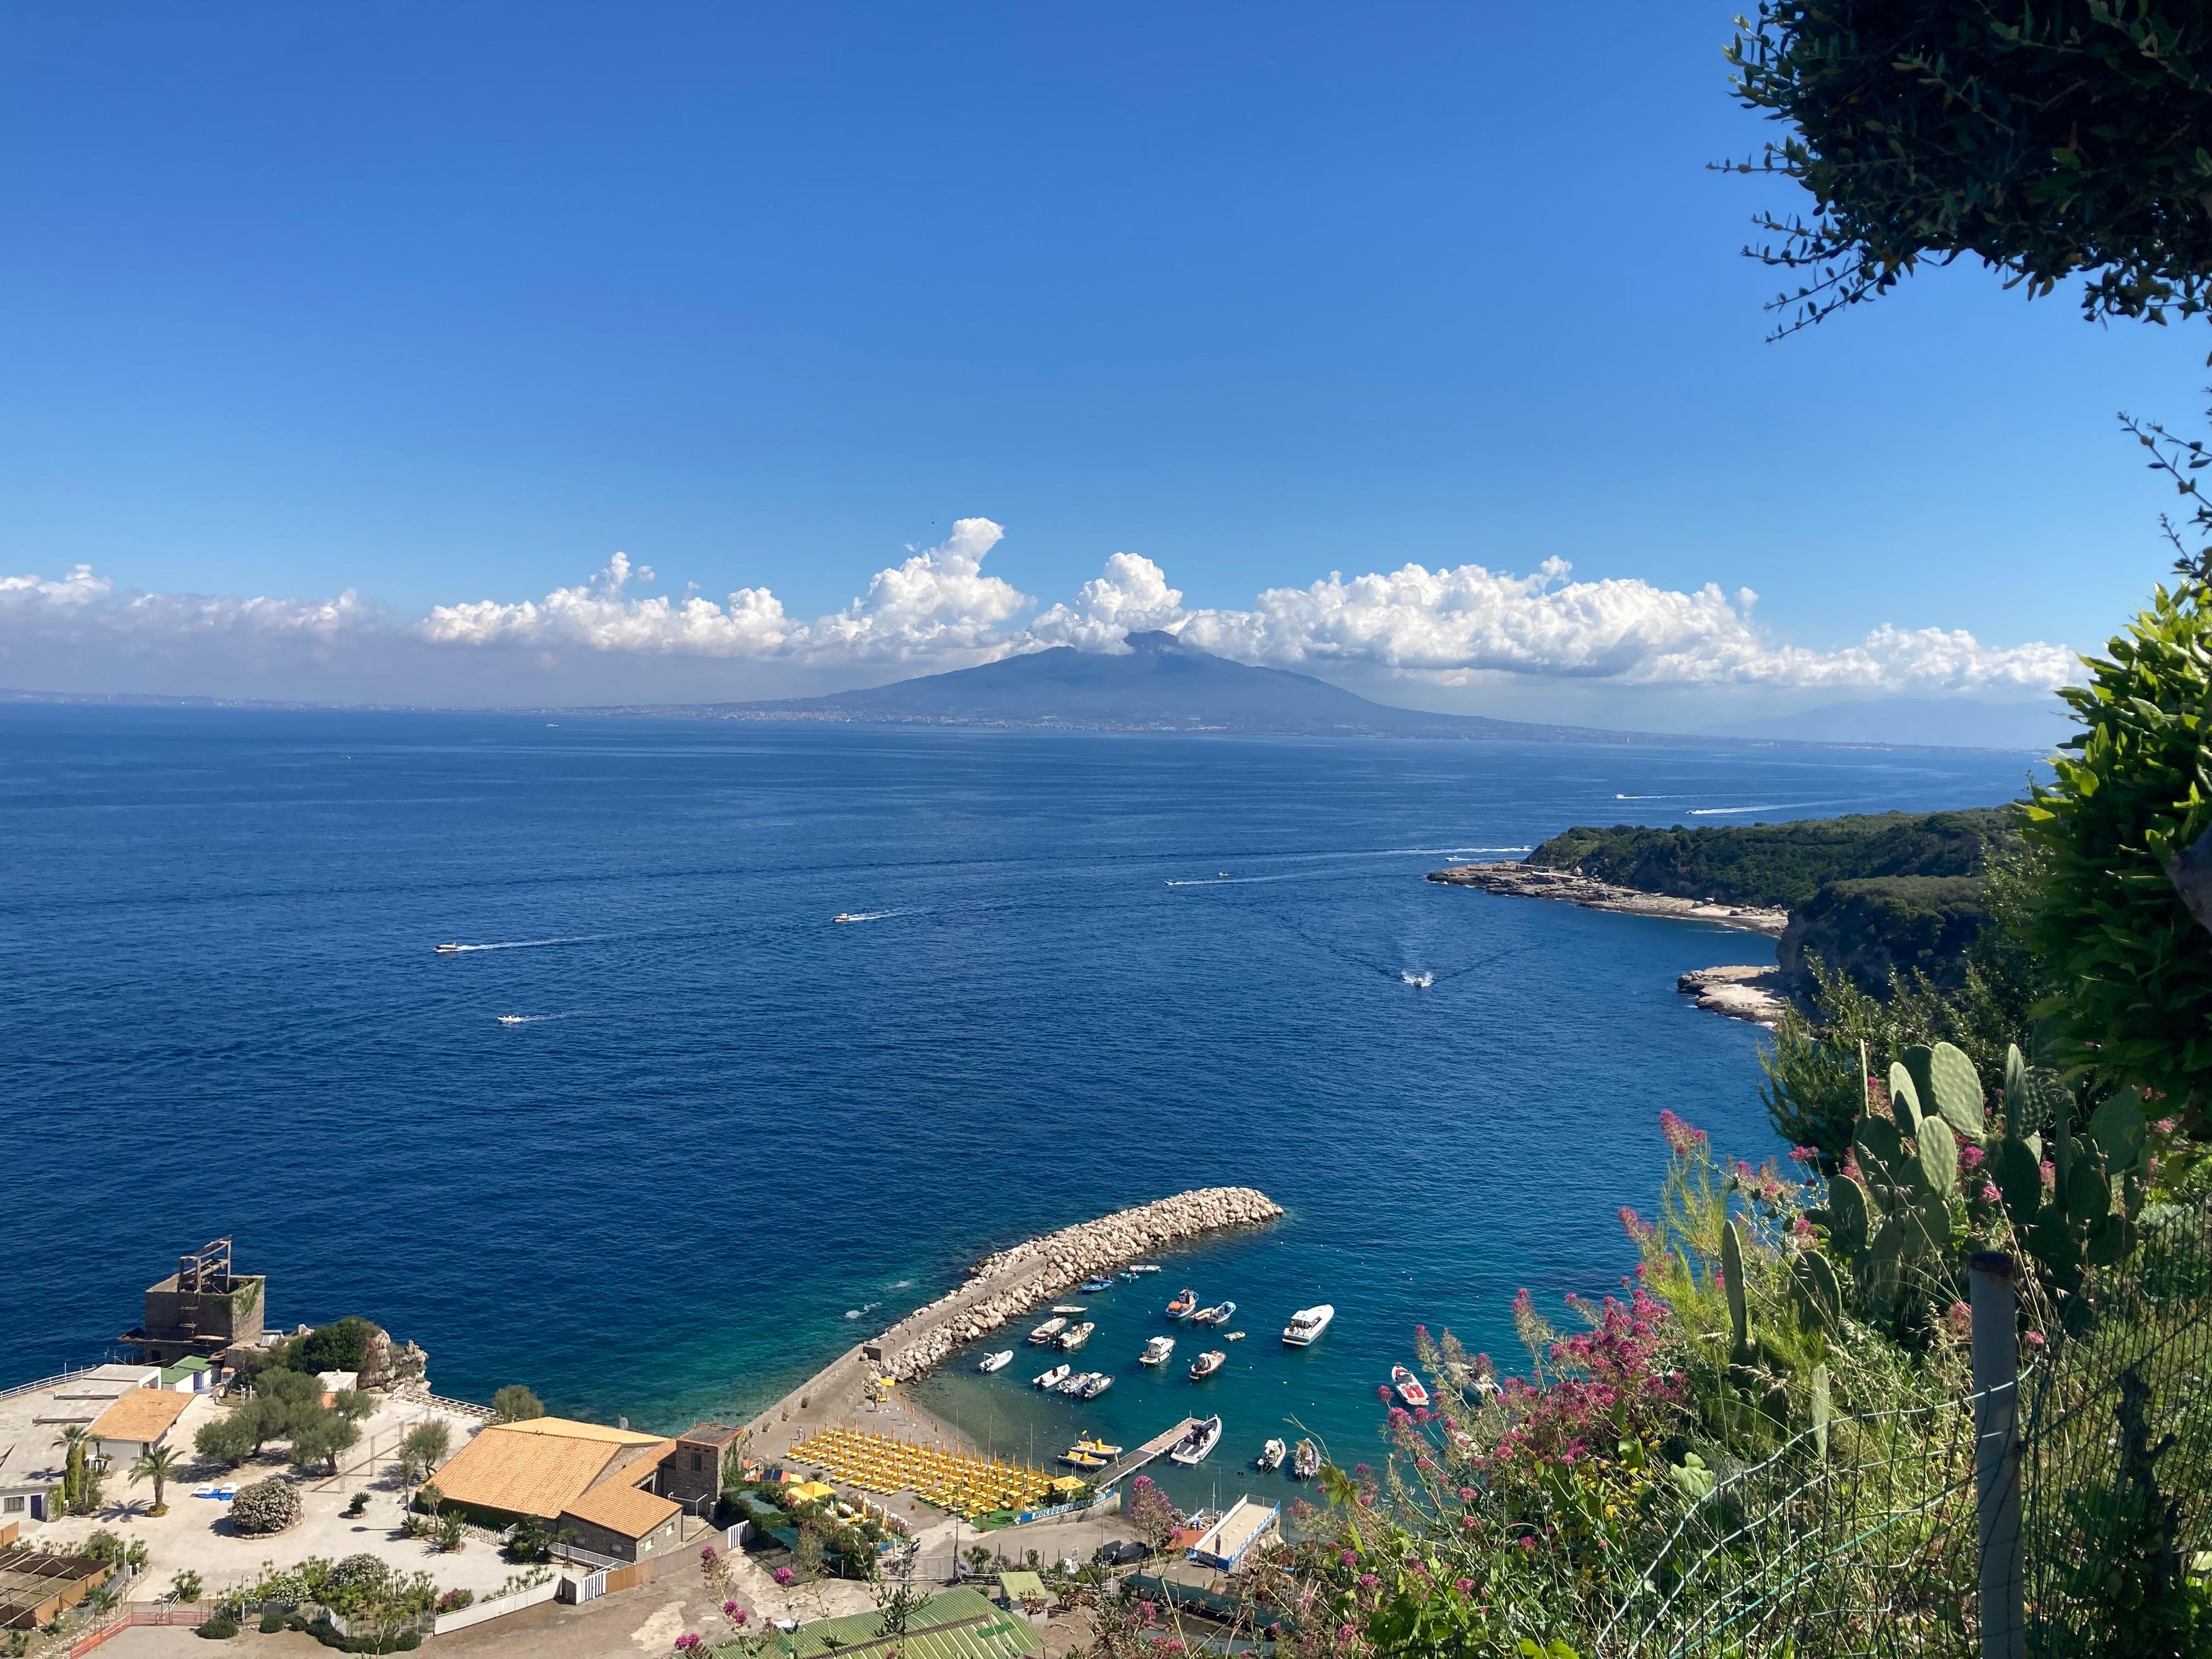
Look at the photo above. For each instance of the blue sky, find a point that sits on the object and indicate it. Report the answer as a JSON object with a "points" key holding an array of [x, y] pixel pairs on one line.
{"points": [[445, 304]]}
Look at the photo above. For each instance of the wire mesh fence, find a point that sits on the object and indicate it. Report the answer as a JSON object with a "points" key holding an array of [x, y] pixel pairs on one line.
{"points": [[1864, 1535]]}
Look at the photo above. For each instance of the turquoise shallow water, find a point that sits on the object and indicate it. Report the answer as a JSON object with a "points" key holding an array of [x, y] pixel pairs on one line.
{"points": [[728, 1121]]}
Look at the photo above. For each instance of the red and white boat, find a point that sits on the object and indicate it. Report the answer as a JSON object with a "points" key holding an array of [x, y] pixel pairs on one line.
{"points": [[1408, 1386], [1184, 1305]]}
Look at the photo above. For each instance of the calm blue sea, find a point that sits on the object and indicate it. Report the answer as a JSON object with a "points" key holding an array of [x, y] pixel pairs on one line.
{"points": [[1101, 968]]}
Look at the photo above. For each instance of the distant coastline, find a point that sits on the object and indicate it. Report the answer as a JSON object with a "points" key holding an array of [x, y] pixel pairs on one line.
{"points": [[1533, 881]]}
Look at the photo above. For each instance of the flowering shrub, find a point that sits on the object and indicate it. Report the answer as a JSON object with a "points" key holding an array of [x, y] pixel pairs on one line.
{"points": [[785, 1575]]}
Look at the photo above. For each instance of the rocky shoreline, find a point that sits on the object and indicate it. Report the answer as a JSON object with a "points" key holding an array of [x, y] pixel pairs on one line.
{"points": [[1007, 1287], [1533, 881], [1749, 993]]}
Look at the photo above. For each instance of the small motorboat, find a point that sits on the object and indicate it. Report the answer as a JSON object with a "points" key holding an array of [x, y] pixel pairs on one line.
{"points": [[1076, 1458], [513, 1019], [1045, 1333], [1094, 1285], [1191, 1449], [446, 950], [1307, 1324], [1232, 1336], [1098, 1383], [1220, 1314], [1157, 1351], [1144, 1266], [1206, 1364], [1271, 1455], [1076, 1335], [1408, 1386], [841, 916], [1070, 1308], [1184, 1305], [1090, 1445], [1053, 1378], [997, 1362], [1306, 1462], [1073, 1382], [1130, 1273]]}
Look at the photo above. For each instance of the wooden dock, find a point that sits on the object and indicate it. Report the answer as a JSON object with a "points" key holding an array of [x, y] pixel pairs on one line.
{"points": [[1156, 1447]]}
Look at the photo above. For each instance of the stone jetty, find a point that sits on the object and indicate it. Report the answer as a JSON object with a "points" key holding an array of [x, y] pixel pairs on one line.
{"points": [[1006, 1287]]}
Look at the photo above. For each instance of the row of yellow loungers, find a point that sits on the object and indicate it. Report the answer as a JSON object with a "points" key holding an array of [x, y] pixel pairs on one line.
{"points": [[950, 1480]]}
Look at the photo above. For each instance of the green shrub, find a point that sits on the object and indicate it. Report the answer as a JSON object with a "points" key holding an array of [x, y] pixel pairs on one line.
{"points": [[2133, 969], [266, 1506], [217, 1629], [229, 1439], [339, 1346], [516, 1404], [271, 1623]]}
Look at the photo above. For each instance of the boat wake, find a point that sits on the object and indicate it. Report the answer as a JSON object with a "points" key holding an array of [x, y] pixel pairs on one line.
{"points": [[1419, 978], [520, 944], [1771, 807], [540, 1020], [874, 915]]}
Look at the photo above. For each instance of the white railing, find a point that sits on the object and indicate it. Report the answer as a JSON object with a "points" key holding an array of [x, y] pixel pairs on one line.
{"points": [[498, 1608], [47, 1381]]}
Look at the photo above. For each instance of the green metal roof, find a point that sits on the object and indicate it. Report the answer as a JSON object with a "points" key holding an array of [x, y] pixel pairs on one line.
{"points": [[957, 1624]]}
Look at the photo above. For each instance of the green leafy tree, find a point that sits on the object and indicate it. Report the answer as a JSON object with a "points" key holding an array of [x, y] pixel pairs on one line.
{"points": [[2131, 800], [340, 1346], [229, 1439], [423, 1448], [2048, 142], [516, 1404], [318, 1438], [355, 1405], [157, 1464]]}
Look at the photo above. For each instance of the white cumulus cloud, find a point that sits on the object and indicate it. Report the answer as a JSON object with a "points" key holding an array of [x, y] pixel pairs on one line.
{"points": [[938, 608]]}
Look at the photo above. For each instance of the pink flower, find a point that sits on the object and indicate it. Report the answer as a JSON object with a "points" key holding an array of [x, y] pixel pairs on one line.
{"points": [[1529, 1545], [1466, 1494], [1958, 1320], [1464, 1586], [1383, 1392], [784, 1575], [1851, 1169], [1682, 1138], [1400, 1417], [2035, 1338], [1368, 1581], [1347, 1557], [1147, 1610], [1970, 1157], [1804, 1155], [1345, 1635], [688, 1640], [707, 1555], [2049, 1172], [1801, 1228], [1988, 1193]]}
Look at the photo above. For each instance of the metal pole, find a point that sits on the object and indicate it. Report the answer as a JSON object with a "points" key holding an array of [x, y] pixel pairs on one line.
{"points": [[1997, 1455]]}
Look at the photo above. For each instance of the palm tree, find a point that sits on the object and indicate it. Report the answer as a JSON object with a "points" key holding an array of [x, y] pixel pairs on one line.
{"points": [[157, 1464]]}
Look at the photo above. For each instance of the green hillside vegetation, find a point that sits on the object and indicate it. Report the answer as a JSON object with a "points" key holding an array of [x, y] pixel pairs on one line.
{"points": [[1782, 865]]}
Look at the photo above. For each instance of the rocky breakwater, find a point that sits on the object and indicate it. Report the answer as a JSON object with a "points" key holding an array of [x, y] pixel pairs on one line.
{"points": [[1534, 881], [1008, 1285]]}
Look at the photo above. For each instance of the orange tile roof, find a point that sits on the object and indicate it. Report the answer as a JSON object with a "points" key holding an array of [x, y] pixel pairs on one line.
{"points": [[623, 1509], [143, 1415], [538, 1468]]}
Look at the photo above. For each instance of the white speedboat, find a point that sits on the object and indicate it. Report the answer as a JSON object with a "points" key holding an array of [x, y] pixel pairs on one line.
{"points": [[1306, 1462], [1191, 1449], [513, 1019], [1045, 1333], [1220, 1313], [1053, 1378], [1097, 1383], [1073, 1382], [1232, 1336], [1307, 1324], [1076, 1335], [1157, 1351], [1070, 1309], [446, 950], [997, 1362], [1271, 1455], [842, 915], [1408, 1386], [1144, 1266], [1206, 1364]]}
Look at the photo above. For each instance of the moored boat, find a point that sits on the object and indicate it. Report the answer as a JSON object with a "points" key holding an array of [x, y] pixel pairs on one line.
{"points": [[1191, 1449], [1144, 1266], [1096, 1284], [1053, 1378], [1184, 1305], [1097, 1384], [1070, 1309], [1220, 1314], [1157, 1351], [1073, 1382], [997, 1362], [1045, 1333], [1271, 1455], [1076, 1335], [1408, 1386], [1307, 1324], [1232, 1336], [1206, 1364], [1306, 1462]]}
